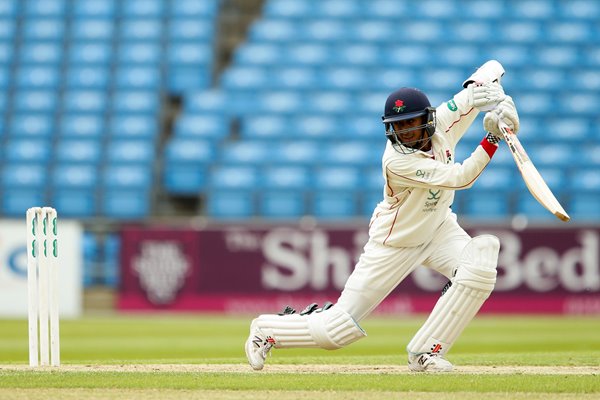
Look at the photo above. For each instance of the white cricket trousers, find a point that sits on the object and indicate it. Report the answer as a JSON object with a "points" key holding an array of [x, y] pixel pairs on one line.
{"points": [[381, 268]]}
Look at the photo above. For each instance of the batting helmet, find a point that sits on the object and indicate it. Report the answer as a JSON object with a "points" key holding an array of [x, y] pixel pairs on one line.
{"points": [[406, 103]]}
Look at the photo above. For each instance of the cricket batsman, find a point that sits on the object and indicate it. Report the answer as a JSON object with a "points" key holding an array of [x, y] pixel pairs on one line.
{"points": [[413, 225]]}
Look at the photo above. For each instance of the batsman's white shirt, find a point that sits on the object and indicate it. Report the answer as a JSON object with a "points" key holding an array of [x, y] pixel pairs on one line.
{"points": [[419, 187], [413, 224]]}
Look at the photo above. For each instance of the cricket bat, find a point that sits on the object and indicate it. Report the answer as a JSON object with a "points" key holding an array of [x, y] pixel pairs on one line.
{"points": [[534, 181]]}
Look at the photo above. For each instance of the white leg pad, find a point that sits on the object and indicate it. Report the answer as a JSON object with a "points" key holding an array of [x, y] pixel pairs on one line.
{"points": [[471, 286], [330, 329]]}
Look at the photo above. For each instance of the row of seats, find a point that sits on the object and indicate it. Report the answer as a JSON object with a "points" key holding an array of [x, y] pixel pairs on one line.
{"points": [[469, 10], [414, 54], [501, 31], [347, 204], [108, 8], [76, 126], [117, 203], [250, 76]]}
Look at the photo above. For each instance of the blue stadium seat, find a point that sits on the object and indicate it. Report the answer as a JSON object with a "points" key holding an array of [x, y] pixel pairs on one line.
{"points": [[34, 101], [216, 101], [351, 153], [6, 52], [202, 126], [138, 77], [85, 101], [125, 204], [579, 9], [136, 102], [557, 56], [584, 208], [47, 77], [246, 152], [32, 125], [309, 54], [41, 53], [79, 151], [184, 178], [286, 178], [230, 204], [369, 201], [281, 205], [486, 205], [194, 8], [134, 126], [363, 126], [296, 152], [96, 29], [7, 30], [532, 9], [331, 205], [182, 79], [82, 126], [192, 29], [44, 8], [244, 78], [127, 176], [312, 126], [91, 53], [93, 9], [358, 55], [342, 78], [277, 30], [143, 9], [75, 176], [519, 31], [288, 9], [572, 32], [74, 203], [86, 77], [264, 126], [234, 178], [15, 202], [258, 54], [321, 30], [189, 54], [149, 53], [130, 152], [91, 258], [373, 179], [43, 29], [338, 178], [23, 176], [112, 263], [27, 150], [8, 8], [142, 29], [188, 151], [495, 178]]}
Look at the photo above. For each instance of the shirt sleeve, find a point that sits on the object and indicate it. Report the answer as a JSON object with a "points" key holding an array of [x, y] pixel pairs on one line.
{"points": [[455, 116], [429, 173]]}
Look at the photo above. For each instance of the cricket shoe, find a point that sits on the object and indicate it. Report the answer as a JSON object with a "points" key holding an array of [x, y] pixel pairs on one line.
{"points": [[428, 362], [258, 346]]}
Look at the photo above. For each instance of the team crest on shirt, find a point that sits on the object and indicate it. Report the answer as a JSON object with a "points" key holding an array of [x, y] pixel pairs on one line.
{"points": [[448, 156], [451, 105], [432, 200]]}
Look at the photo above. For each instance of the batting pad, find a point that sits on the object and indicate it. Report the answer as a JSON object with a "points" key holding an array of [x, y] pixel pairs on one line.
{"points": [[471, 286], [330, 329]]}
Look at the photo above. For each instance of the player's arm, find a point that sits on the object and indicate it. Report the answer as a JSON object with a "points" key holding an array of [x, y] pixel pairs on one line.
{"points": [[429, 173], [482, 92]]}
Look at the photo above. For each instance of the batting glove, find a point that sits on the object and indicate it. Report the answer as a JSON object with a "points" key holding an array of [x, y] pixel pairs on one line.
{"points": [[507, 112], [485, 96]]}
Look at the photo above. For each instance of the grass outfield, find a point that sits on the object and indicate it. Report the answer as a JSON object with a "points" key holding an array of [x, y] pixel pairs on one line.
{"points": [[169, 357]]}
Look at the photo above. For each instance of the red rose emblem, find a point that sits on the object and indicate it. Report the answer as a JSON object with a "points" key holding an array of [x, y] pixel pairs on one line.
{"points": [[399, 103]]}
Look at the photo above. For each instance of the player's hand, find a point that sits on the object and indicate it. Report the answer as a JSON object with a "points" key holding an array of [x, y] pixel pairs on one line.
{"points": [[506, 112], [485, 96]]}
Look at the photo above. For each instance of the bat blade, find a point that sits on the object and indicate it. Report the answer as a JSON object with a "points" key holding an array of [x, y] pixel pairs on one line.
{"points": [[535, 183]]}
